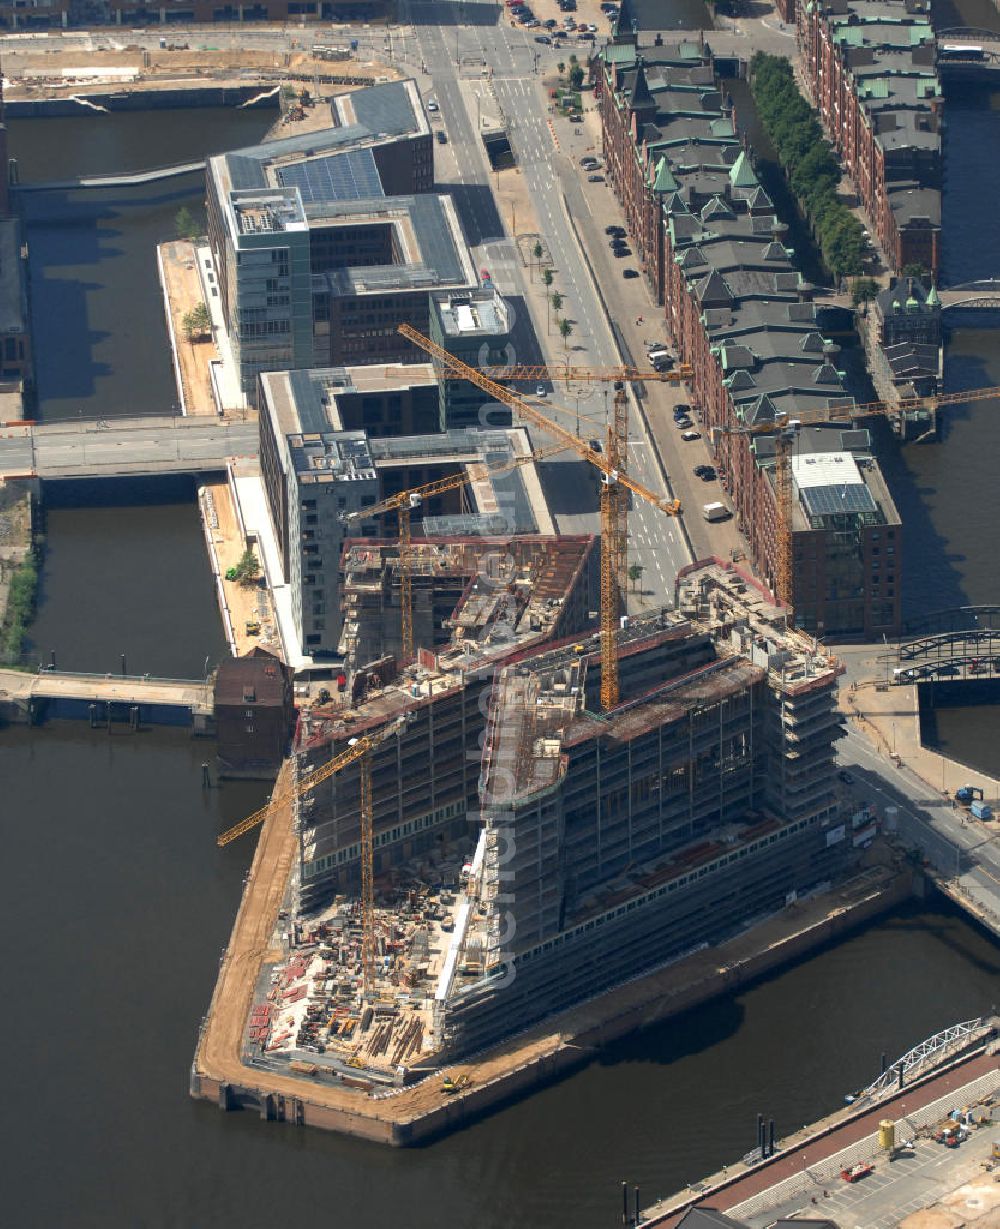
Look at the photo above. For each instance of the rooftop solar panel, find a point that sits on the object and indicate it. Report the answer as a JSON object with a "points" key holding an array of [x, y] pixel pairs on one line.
{"points": [[350, 175], [850, 498]]}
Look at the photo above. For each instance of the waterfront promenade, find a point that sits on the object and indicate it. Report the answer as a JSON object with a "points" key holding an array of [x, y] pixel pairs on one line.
{"points": [[810, 1160], [893, 769]]}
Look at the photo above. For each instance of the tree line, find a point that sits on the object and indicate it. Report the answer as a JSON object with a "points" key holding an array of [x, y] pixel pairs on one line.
{"points": [[809, 162]]}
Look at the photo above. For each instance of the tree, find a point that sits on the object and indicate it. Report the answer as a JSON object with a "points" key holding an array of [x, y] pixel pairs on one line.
{"points": [[914, 269], [863, 289], [537, 251], [196, 323], [561, 67], [565, 332], [557, 301], [635, 574], [185, 224], [248, 568], [547, 277], [576, 76]]}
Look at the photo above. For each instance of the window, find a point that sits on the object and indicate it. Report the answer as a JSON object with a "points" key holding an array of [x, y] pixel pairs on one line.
{"points": [[248, 714]]}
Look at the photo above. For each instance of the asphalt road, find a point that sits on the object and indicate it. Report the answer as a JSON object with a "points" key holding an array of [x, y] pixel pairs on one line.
{"points": [[958, 848], [514, 96], [176, 445]]}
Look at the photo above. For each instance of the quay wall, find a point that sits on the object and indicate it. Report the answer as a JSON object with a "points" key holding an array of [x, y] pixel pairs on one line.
{"points": [[656, 997], [168, 98]]}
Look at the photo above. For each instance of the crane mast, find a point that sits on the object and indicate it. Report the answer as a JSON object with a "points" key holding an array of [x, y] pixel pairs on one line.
{"points": [[615, 486]]}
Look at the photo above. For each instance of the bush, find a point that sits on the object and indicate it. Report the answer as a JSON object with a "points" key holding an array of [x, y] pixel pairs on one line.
{"points": [[807, 159], [21, 604]]}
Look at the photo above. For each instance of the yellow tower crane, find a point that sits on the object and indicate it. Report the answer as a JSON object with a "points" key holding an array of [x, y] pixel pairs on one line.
{"points": [[613, 493], [783, 429], [632, 375], [403, 503], [357, 749]]}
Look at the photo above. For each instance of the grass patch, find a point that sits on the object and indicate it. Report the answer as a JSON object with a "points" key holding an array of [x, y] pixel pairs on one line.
{"points": [[22, 602]]}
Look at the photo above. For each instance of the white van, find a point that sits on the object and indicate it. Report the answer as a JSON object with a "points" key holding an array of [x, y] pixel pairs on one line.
{"points": [[716, 512]]}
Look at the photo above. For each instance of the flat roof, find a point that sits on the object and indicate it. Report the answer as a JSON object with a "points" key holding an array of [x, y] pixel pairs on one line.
{"points": [[13, 300], [477, 313]]}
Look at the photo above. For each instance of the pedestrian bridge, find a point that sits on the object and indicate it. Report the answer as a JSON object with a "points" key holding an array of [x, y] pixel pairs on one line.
{"points": [[126, 180], [105, 699], [950, 645], [123, 447]]}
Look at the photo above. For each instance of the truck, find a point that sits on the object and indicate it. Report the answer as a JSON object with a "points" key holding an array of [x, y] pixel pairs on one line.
{"points": [[716, 512], [971, 796], [967, 794]]}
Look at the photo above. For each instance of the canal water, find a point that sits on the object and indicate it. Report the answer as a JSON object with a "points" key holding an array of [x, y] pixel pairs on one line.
{"points": [[117, 902]]}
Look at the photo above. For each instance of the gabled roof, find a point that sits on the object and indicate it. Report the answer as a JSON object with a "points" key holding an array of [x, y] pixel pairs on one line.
{"points": [[761, 411], [741, 175], [716, 208], [692, 258], [759, 199], [733, 355], [640, 90], [826, 374], [740, 381], [713, 290], [664, 180]]}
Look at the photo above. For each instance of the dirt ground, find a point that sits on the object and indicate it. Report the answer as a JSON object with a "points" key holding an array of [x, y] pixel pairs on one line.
{"points": [[183, 290]]}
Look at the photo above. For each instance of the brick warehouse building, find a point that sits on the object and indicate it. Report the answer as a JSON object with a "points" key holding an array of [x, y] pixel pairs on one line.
{"points": [[870, 68], [742, 316]]}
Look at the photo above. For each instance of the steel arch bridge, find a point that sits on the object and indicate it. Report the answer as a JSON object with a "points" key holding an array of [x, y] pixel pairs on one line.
{"points": [[928, 1054], [982, 293], [963, 643]]}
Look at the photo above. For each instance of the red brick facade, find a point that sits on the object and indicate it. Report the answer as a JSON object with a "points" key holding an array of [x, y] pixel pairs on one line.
{"points": [[873, 82]]}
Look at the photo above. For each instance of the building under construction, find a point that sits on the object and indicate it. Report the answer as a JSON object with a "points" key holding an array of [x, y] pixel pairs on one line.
{"points": [[530, 851]]}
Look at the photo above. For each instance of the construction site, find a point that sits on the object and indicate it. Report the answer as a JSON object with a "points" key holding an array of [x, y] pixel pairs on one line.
{"points": [[473, 846]]}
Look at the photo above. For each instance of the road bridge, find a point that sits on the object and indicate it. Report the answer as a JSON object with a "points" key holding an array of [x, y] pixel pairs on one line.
{"points": [[120, 447], [127, 180], [970, 653], [106, 699]]}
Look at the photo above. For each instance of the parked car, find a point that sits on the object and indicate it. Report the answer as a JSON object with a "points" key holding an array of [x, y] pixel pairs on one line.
{"points": [[700, 469], [629, 273], [539, 390], [614, 230], [442, 137], [431, 105], [688, 436], [576, 118], [550, 24], [683, 423], [544, 39], [619, 252], [594, 445], [846, 777], [707, 474], [587, 36], [595, 179], [680, 409]]}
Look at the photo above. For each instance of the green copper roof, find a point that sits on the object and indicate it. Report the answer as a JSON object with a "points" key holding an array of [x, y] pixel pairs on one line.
{"points": [[664, 181], [741, 174], [619, 53], [933, 299]]}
